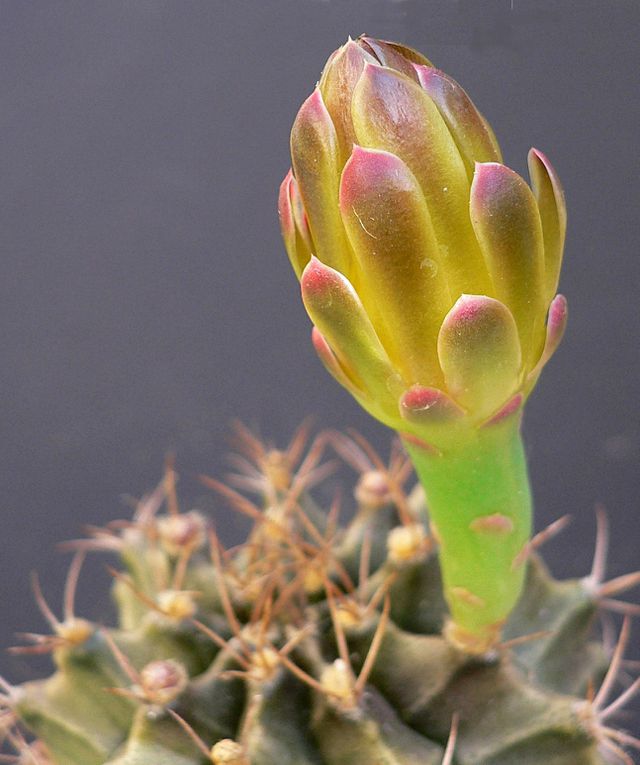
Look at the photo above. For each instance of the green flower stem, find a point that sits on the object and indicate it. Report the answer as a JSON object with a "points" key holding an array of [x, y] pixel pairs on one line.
{"points": [[479, 504]]}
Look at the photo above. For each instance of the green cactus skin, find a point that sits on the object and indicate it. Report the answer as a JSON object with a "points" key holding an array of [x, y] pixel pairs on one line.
{"points": [[315, 645]]}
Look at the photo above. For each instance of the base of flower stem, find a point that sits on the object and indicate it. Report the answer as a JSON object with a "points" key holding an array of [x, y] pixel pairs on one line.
{"points": [[474, 643]]}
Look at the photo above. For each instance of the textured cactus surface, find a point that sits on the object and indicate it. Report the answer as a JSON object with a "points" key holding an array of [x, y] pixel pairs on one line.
{"points": [[315, 641]]}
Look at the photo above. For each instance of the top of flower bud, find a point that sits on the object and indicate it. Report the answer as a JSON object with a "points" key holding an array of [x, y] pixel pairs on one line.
{"points": [[427, 266], [343, 70]]}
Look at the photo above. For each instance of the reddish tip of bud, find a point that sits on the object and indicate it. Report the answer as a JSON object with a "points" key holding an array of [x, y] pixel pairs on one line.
{"points": [[312, 120], [428, 404], [468, 308], [496, 187], [367, 169], [542, 157], [284, 204], [539, 155], [418, 397], [556, 325], [287, 179], [316, 277], [428, 407], [489, 177], [314, 106], [321, 345], [558, 312], [358, 154]]}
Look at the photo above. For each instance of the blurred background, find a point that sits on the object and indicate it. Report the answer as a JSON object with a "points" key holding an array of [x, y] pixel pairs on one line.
{"points": [[146, 298]]}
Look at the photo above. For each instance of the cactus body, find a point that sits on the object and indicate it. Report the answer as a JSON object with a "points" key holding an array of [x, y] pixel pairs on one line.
{"points": [[313, 644]]}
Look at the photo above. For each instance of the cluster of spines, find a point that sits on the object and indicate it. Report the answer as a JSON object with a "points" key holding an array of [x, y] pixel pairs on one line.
{"points": [[311, 641]]}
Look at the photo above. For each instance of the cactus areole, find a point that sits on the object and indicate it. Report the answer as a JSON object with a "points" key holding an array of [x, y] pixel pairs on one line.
{"points": [[429, 270]]}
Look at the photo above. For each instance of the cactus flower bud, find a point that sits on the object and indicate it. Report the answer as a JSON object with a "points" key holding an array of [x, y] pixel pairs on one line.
{"points": [[162, 681], [429, 271], [423, 260]]}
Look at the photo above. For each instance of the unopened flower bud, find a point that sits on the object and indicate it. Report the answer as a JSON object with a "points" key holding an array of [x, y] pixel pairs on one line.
{"points": [[373, 490], [429, 270], [427, 266], [178, 533], [161, 682]]}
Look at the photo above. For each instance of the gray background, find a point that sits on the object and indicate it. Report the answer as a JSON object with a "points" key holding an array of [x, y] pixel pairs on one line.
{"points": [[145, 295]]}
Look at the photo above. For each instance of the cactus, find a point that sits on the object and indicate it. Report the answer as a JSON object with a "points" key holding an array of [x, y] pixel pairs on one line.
{"points": [[313, 643], [426, 630]]}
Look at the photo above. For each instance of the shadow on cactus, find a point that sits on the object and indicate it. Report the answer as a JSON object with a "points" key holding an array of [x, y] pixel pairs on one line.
{"points": [[425, 630]]}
